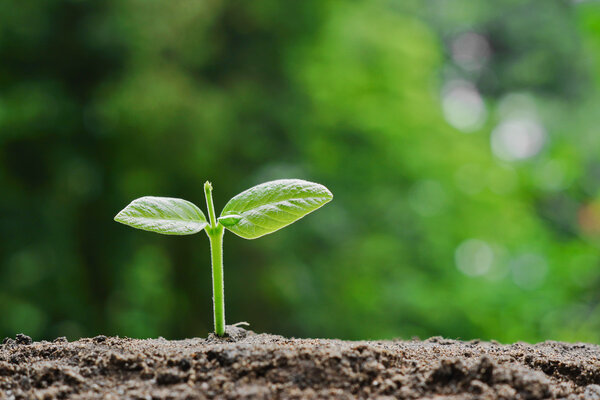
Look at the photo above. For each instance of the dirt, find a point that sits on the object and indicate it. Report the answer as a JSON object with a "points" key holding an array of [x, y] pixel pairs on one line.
{"points": [[259, 366]]}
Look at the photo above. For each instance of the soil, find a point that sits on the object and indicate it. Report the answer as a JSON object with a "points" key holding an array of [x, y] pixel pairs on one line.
{"points": [[246, 365]]}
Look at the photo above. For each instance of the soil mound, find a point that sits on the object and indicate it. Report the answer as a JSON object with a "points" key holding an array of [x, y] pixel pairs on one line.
{"points": [[261, 366]]}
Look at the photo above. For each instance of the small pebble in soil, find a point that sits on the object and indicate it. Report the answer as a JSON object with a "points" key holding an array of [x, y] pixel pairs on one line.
{"points": [[185, 364], [592, 392], [23, 339], [100, 339]]}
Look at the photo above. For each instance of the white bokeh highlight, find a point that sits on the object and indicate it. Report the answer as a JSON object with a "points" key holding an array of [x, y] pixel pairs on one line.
{"points": [[517, 139], [463, 106], [474, 257]]}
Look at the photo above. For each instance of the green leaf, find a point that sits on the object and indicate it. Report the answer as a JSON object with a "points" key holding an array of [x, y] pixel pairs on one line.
{"points": [[229, 220], [273, 205], [164, 215]]}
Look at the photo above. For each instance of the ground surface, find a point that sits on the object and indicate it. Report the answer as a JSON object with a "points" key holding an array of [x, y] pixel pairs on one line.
{"points": [[248, 365]]}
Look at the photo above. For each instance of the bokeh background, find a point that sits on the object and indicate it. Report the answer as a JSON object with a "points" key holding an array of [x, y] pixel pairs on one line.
{"points": [[460, 139]]}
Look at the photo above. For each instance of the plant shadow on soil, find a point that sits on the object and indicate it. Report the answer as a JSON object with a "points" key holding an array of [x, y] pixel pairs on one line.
{"points": [[254, 366]]}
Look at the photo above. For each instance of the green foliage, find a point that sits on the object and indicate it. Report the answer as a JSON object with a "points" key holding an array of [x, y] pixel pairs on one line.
{"points": [[258, 211], [408, 110], [163, 215], [270, 206]]}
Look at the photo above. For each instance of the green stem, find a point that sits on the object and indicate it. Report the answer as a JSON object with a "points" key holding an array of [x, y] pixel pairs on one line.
{"points": [[209, 204], [215, 234], [216, 251]]}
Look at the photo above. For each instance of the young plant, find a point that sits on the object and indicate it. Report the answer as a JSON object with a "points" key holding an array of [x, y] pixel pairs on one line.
{"points": [[256, 212]]}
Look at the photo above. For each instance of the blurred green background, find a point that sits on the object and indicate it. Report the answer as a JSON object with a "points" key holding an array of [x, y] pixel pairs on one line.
{"points": [[460, 139]]}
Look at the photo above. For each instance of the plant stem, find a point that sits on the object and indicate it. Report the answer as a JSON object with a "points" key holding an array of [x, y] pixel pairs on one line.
{"points": [[209, 204], [215, 234], [216, 251]]}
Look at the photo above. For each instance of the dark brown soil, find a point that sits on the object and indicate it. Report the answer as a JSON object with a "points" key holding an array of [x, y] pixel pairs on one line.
{"points": [[248, 365]]}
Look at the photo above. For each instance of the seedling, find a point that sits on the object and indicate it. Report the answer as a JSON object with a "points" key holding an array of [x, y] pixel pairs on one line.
{"points": [[256, 212]]}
